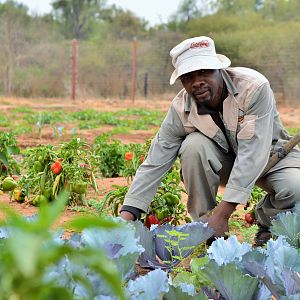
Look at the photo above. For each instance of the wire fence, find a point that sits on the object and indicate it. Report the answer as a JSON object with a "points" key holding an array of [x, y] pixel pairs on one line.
{"points": [[108, 71]]}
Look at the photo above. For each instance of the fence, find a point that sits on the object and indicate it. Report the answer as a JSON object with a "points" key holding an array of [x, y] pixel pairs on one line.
{"points": [[131, 69]]}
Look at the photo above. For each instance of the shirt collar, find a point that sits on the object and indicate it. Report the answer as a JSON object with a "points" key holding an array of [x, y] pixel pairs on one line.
{"points": [[231, 88]]}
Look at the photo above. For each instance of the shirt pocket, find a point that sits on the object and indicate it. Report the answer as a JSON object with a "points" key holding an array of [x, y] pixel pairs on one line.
{"points": [[247, 127]]}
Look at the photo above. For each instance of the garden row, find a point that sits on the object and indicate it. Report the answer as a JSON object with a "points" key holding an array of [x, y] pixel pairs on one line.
{"points": [[44, 171], [27, 120]]}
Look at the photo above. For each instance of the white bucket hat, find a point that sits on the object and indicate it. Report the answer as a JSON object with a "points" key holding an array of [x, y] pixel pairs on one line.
{"points": [[195, 54]]}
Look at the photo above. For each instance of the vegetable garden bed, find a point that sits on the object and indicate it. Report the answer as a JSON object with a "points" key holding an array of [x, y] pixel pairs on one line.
{"points": [[117, 131]]}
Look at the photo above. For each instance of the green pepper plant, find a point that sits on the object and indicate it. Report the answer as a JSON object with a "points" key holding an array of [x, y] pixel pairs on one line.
{"points": [[50, 170], [8, 148], [167, 205], [109, 156]]}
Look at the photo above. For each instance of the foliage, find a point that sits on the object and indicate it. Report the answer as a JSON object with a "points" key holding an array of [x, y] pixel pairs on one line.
{"points": [[113, 200], [109, 155], [75, 173], [173, 239], [167, 200], [32, 68], [256, 195], [166, 205], [30, 250], [293, 131], [135, 155], [8, 147], [37, 178], [77, 16], [124, 24]]}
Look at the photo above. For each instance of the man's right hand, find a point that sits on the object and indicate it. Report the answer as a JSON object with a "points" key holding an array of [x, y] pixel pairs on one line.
{"points": [[127, 216], [219, 218]]}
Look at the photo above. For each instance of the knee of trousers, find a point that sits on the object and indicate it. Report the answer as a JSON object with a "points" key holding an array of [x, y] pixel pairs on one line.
{"points": [[287, 196], [196, 147]]}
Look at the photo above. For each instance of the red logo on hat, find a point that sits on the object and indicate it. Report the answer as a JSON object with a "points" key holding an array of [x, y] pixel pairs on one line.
{"points": [[201, 44]]}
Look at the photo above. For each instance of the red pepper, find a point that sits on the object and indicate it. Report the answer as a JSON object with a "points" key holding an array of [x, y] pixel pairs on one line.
{"points": [[56, 167], [142, 158], [3, 167], [151, 219], [128, 155]]}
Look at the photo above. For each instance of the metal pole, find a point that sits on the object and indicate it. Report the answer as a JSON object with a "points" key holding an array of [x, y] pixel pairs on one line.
{"points": [[74, 67], [146, 85], [133, 68]]}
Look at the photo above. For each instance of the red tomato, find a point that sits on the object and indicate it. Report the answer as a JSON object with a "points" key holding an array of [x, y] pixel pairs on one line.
{"points": [[249, 218], [151, 219]]}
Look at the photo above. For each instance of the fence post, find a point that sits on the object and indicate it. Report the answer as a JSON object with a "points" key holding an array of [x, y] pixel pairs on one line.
{"points": [[146, 85], [74, 68], [133, 69]]}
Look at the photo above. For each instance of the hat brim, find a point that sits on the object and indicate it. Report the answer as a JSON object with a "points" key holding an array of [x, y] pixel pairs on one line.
{"points": [[200, 62]]}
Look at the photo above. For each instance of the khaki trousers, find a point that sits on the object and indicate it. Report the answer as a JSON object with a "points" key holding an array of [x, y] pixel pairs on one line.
{"points": [[205, 167]]}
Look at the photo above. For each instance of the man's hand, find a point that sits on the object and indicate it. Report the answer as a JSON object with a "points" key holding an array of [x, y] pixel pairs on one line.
{"points": [[127, 216], [220, 216]]}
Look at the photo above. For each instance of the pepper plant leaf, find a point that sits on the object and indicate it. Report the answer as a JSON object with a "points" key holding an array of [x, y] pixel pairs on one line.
{"points": [[3, 158], [13, 149]]}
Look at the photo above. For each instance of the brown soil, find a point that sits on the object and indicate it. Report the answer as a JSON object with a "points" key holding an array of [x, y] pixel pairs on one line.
{"points": [[290, 117]]}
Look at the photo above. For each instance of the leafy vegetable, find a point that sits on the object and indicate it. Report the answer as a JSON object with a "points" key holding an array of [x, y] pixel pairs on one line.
{"points": [[156, 245]]}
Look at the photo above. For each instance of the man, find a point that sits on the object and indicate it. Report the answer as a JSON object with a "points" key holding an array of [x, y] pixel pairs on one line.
{"points": [[223, 125]]}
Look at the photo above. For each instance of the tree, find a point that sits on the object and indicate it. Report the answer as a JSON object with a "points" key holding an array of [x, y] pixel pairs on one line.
{"points": [[279, 10], [124, 24], [188, 11], [77, 16], [13, 18], [239, 7]]}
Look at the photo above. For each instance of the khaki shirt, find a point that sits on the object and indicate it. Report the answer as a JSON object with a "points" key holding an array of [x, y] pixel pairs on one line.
{"points": [[253, 130]]}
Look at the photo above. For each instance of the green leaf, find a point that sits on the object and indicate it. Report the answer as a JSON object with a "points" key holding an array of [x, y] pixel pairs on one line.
{"points": [[26, 249], [234, 287], [49, 213], [287, 224], [98, 261], [13, 149], [3, 157], [82, 222]]}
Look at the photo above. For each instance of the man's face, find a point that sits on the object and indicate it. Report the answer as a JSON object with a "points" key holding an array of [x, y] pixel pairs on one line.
{"points": [[205, 86]]}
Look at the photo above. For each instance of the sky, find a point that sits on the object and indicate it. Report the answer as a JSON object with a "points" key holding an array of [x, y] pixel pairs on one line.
{"points": [[154, 11]]}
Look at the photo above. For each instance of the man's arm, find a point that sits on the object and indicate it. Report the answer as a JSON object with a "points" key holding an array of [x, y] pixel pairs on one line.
{"points": [[248, 163], [254, 143], [161, 156]]}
